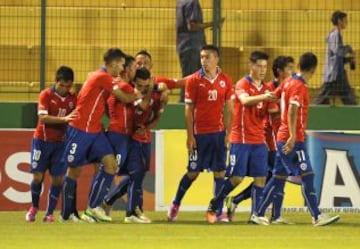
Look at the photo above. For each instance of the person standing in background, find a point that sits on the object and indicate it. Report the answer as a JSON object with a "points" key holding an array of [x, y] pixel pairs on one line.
{"points": [[190, 36], [336, 82]]}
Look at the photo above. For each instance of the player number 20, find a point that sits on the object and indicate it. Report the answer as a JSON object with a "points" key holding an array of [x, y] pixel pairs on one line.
{"points": [[212, 95]]}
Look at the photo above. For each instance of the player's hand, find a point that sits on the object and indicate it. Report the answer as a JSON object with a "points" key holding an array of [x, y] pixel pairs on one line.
{"points": [[288, 146], [138, 94], [270, 96], [117, 79], [72, 116], [191, 144], [140, 130]]}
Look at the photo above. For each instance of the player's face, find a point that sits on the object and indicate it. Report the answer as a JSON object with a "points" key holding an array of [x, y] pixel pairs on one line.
{"points": [[131, 71], [116, 67], [143, 61], [290, 67], [258, 69], [63, 87], [142, 86], [286, 72], [209, 60], [343, 23]]}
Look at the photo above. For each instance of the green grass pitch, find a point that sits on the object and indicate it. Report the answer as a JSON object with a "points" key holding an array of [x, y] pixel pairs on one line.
{"points": [[190, 231]]}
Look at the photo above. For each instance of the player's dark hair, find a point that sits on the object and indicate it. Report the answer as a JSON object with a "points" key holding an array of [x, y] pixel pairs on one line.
{"points": [[211, 48], [337, 16], [279, 63], [144, 52], [113, 54], [142, 73], [290, 59], [64, 73], [128, 60], [307, 62], [258, 55]]}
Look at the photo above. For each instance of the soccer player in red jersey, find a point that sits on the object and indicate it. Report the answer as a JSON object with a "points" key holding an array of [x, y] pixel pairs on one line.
{"points": [[143, 59], [292, 157], [55, 109], [248, 151], [282, 68], [86, 141], [146, 117], [207, 91]]}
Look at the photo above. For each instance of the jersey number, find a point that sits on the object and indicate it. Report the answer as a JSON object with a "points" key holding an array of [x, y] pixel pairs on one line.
{"points": [[73, 148], [62, 112], [301, 155], [36, 155], [212, 95]]}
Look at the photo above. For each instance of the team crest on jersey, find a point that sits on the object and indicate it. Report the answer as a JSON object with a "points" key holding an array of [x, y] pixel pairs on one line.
{"points": [[71, 105], [70, 158], [34, 165], [222, 83], [303, 166]]}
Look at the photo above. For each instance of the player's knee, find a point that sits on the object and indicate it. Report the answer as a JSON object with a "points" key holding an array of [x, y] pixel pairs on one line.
{"points": [[236, 180], [219, 174], [192, 175], [56, 180], [74, 173], [38, 177], [110, 164]]}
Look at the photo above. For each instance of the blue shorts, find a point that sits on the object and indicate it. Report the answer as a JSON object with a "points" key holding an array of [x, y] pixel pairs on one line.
{"points": [[210, 153], [120, 145], [296, 163], [271, 159], [47, 155], [83, 148], [138, 159], [248, 160]]}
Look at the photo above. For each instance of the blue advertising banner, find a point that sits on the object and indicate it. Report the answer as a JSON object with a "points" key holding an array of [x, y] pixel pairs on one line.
{"points": [[335, 158]]}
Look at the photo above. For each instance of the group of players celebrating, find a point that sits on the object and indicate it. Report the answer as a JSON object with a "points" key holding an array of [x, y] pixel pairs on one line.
{"points": [[263, 129]]}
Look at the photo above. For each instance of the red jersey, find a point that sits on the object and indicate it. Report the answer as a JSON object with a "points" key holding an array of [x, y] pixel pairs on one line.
{"points": [[142, 117], [121, 114], [272, 123], [248, 123], [170, 83], [209, 98], [50, 103], [91, 101], [293, 91]]}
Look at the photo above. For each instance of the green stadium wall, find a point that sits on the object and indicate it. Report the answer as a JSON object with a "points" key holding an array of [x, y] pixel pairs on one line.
{"points": [[23, 115]]}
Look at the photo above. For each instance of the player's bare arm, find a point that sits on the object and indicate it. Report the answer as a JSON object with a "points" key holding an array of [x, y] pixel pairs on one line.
{"points": [[125, 97], [49, 119], [292, 119], [247, 100], [189, 122], [228, 120], [162, 87]]}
